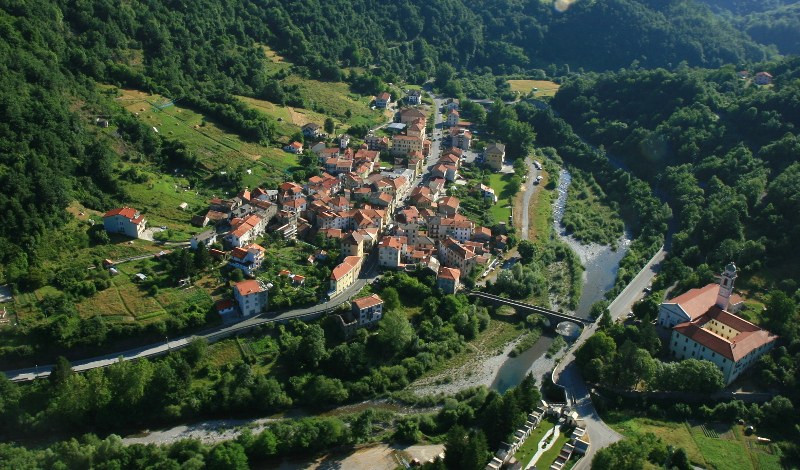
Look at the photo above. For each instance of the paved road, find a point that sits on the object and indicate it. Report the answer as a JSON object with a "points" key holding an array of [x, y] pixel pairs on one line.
{"points": [[567, 375], [368, 274], [530, 189]]}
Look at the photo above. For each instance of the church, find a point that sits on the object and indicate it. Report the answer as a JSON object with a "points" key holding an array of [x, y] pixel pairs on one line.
{"points": [[704, 327]]}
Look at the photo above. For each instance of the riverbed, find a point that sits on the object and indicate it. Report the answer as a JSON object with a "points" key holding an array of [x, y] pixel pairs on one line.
{"points": [[600, 262]]}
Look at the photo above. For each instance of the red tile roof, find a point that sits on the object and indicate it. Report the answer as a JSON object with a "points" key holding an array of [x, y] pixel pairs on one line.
{"points": [[224, 304], [367, 302], [127, 212], [451, 274], [749, 337], [248, 287], [345, 267], [696, 302]]}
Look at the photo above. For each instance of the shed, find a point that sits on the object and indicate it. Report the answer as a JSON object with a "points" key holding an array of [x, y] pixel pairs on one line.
{"points": [[140, 277], [396, 127]]}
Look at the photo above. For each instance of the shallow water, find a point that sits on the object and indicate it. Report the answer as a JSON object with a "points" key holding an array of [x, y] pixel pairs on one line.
{"points": [[600, 263]]}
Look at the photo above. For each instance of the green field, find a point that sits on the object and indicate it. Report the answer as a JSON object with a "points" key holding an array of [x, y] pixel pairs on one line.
{"points": [[551, 454], [500, 182], [730, 450], [546, 87], [531, 444]]}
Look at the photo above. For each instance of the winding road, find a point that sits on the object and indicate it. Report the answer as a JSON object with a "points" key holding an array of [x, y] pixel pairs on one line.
{"points": [[368, 274]]}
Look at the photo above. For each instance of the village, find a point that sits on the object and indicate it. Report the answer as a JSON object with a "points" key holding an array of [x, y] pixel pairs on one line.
{"points": [[382, 201]]}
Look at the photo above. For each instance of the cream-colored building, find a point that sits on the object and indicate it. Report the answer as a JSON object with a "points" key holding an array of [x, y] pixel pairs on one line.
{"points": [[712, 333], [495, 155], [403, 144], [345, 274]]}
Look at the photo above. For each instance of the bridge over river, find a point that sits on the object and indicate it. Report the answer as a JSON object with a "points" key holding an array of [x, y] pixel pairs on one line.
{"points": [[552, 315]]}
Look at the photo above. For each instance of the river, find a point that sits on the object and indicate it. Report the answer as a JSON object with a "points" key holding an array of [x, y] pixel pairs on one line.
{"points": [[600, 263]]}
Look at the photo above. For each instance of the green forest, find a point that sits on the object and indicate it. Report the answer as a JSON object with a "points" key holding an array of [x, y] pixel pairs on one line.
{"points": [[652, 115]]}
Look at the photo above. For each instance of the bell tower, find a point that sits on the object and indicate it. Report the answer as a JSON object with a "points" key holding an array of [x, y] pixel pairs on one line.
{"points": [[726, 286]]}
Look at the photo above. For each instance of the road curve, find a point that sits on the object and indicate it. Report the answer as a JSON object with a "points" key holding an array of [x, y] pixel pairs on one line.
{"points": [[369, 273], [567, 375]]}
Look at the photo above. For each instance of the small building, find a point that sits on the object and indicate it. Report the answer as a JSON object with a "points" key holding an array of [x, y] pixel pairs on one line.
{"points": [[460, 138], [414, 97], [139, 277], [368, 310], [390, 250], [383, 100], [251, 296], [207, 238], [225, 307], [448, 280], [294, 147], [495, 155], [126, 221], [348, 323], [763, 78], [353, 245], [344, 141], [452, 118], [312, 130], [396, 127], [247, 258]]}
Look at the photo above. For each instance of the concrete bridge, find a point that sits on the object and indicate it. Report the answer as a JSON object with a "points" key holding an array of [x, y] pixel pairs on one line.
{"points": [[553, 316]]}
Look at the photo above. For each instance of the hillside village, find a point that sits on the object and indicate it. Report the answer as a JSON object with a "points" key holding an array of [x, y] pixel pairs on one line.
{"points": [[382, 201]]}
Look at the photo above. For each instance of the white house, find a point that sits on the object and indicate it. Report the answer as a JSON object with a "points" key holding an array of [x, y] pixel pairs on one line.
{"points": [[247, 258], [251, 296], [125, 220], [452, 118], [368, 310], [389, 251], [383, 100], [207, 238], [414, 97]]}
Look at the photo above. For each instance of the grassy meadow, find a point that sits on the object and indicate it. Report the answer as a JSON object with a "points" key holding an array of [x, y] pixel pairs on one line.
{"points": [[546, 87]]}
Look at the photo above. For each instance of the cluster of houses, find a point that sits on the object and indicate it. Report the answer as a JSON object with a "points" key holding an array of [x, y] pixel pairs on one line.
{"points": [[568, 418], [355, 201], [761, 78]]}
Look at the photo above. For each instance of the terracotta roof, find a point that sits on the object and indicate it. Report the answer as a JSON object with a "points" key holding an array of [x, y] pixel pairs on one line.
{"points": [[248, 287], [241, 230], [367, 302], [391, 242], [345, 267], [696, 302], [749, 337], [224, 304], [216, 215], [452, 274], [127, 212], [450, 201], [384, 96]]}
